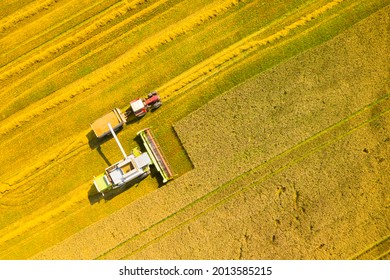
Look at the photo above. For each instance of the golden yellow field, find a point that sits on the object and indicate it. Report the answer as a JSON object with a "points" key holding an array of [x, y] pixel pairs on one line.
{"points": [[275, 121]]}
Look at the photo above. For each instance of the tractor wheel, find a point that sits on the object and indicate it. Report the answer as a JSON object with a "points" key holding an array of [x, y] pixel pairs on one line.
{"points": [[156, 105], [152, 94]]}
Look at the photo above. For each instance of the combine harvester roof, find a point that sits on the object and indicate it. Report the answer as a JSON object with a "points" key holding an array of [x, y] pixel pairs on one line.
{"points": [[155, 154]]}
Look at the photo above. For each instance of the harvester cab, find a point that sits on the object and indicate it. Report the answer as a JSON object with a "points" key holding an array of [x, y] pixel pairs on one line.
{"points": [[141, 106], [133, 166]]}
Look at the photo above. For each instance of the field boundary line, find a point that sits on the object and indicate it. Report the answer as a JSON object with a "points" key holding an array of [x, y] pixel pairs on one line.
{"points": [[113, 69], [14, 180], [243, 189], [268, 164]]}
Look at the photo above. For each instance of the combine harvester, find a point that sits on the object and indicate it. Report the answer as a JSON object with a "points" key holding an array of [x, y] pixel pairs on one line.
{"points": [[139, 107], [134, 166]]}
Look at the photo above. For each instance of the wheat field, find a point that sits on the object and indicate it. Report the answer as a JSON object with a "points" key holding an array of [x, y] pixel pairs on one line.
{"points": [[240, 133]]}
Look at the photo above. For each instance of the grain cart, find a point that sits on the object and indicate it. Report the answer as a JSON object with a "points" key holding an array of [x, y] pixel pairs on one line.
{"points": [[115, 118], [133, 166], [141, 106]]}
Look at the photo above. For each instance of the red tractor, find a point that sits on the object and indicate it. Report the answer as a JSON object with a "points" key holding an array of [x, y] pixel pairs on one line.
{"points": [[141, 106]]}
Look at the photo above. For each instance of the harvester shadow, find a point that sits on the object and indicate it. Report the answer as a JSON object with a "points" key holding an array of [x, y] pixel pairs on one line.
{"points": [[103, 156], [95, 142]]}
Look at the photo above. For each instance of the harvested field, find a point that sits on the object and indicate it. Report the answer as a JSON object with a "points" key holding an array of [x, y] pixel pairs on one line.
{"points": [[291, 164]]}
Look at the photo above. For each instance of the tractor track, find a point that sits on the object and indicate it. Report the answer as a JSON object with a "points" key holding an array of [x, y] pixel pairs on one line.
{"points": [[239, 51], [51, 214], [54, 157], [377, 251], [209, 201]]}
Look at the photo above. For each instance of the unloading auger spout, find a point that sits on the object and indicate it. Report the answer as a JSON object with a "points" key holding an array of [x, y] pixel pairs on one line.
{"points": [[155, 154]]}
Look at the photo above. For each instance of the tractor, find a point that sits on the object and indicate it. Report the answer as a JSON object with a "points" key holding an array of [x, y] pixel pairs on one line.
{"points": [[141, 106]]}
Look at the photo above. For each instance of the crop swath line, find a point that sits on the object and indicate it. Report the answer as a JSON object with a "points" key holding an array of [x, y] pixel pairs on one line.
{"points": [[29, 42], [238, 51], [11, 6], [257, 175], [44, 53], [80, 32], [117, 66], [11, 90], [378, 250], [25, 13]]}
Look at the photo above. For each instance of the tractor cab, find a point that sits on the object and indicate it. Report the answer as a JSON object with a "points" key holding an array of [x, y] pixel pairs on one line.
{"points": [[138, 107]]}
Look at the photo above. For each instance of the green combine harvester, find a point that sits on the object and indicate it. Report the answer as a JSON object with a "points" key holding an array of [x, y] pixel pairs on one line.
{"points": [[135, 165]]}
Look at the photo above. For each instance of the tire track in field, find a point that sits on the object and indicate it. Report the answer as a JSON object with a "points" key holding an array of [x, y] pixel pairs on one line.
{"points": [[14, 48], [25, 13], [13, 193], [12, 89], [55, 154], [69, 92], [49, 214], [378, 250], [64, 42], [250, 179]]}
